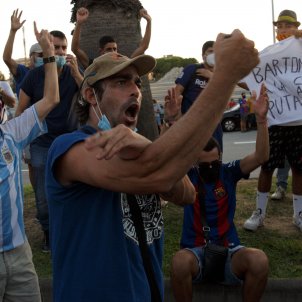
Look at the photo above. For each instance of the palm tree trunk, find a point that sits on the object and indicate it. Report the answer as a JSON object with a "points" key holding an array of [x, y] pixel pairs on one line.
{"points": [[111, 17]]}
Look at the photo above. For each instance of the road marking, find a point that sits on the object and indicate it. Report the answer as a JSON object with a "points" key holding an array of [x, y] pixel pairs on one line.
{"points": [[25, 170], [242, 143]]}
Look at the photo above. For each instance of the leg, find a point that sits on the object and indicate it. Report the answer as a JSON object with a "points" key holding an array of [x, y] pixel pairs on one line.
{"points": [[265, 180], [22, 284], [251, 265], [264, 185], [282, 175], [38, 161], [184, 269]]}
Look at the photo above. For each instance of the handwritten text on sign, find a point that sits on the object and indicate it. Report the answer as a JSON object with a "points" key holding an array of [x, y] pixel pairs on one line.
{"points": [[280, 69]]}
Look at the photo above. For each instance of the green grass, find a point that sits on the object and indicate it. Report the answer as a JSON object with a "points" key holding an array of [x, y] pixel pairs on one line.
{"points": [[280, 240]]}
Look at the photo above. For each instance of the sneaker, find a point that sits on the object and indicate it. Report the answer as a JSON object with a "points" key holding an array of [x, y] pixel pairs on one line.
{"points": [[297, 221], [255, 221], [279, 194]]}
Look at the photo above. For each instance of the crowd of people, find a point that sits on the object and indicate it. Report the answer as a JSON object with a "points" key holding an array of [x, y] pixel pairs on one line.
{"points": [[98, 183]]}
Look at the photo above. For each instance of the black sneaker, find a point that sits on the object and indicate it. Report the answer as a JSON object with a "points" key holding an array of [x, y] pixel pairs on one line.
{"points": [[46, 246]]}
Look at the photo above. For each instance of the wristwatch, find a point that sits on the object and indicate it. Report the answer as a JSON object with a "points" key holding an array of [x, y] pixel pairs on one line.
{"points": [[49, 60]]}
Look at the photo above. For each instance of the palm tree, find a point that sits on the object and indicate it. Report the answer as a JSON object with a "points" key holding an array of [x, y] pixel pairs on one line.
{"points": [[117, 18]]}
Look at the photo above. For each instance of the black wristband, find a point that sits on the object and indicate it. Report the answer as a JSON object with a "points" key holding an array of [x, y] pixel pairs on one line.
{"points": [[49, 60]]}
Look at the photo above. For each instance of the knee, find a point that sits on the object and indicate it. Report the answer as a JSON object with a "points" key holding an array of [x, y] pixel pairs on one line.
{"points": [[258, 264], [184, 264]]}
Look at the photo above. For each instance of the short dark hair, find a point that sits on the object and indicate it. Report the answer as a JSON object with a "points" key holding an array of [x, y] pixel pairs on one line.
{"points": [[58, 34], [212, 144], [106, 39], [207, 45]]}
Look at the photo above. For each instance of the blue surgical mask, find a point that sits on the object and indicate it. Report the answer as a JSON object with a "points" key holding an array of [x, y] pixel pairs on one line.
{"points": [[38, 61], [103, 123], [61, 61]]}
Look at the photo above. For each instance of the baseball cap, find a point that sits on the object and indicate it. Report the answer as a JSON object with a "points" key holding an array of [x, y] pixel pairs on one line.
{"points": [[111, 63], [287, 16], [35, 48]]}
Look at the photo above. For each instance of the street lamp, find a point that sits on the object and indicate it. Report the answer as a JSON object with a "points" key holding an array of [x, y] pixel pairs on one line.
{"points": [[273, 19]]}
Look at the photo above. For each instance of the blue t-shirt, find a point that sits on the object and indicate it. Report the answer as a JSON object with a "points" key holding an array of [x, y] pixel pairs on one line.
{"points": [[193, 85], [58, 120], [95, 253], [220, 202], [22, 71]]}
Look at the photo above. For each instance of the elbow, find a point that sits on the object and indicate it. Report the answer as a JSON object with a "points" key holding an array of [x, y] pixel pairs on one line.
{"points": [[263, 159]]}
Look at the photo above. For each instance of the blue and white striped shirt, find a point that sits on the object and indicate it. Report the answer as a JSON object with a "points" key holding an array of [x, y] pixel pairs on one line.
{"points": [[15, 134]]}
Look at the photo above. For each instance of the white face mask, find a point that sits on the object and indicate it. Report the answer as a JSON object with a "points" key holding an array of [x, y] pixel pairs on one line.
{"points": [[210, 59]]}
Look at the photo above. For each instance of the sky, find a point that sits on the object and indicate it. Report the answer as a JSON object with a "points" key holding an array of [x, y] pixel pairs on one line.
{"points": [[178, 27]]}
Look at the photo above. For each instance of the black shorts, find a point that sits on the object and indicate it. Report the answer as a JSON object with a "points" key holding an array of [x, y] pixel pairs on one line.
{"points": [[285, 141]]}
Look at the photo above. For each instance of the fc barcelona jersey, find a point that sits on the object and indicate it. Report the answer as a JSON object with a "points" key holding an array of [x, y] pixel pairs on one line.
{"points": [[220, 204]]}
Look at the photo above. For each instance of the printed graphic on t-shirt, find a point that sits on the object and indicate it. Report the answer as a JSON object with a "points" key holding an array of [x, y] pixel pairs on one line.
{"points": [[151, 214]]}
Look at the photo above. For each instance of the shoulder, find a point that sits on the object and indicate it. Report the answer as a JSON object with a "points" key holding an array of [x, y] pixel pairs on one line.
{"points": [[64, 142], [233, 170]]}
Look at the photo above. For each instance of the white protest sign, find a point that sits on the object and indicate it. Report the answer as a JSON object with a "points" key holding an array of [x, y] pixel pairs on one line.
{"points": [[280, 69], [6, 87]]}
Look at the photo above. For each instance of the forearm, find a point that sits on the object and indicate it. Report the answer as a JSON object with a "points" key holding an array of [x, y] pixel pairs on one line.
{"points": [[7, 53], [182, 193], [75, 42], [262, 142], [51, 88], [177, 149], [75, 47], [7, 99], [78, 78], [146, 39]]}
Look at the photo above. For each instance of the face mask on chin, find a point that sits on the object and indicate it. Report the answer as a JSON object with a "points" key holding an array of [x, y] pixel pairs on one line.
{"points": [[281, 37], [103, 123], [209, 172]]}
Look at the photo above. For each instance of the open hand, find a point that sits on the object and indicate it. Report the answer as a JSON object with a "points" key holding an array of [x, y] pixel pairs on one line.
{"points": [[260, 105], [172, 106], [15, 20]]}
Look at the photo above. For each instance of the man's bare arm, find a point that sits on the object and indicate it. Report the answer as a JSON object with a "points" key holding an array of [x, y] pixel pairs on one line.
{"points": [[51, 96], [16, 24], [261, 154], [144, 44], [82, 15]]}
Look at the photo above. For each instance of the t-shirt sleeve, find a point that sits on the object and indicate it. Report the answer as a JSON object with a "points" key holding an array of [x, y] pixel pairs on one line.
{"points": [[234, 171], [26, 84], [185, 76], [25, 128]]}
